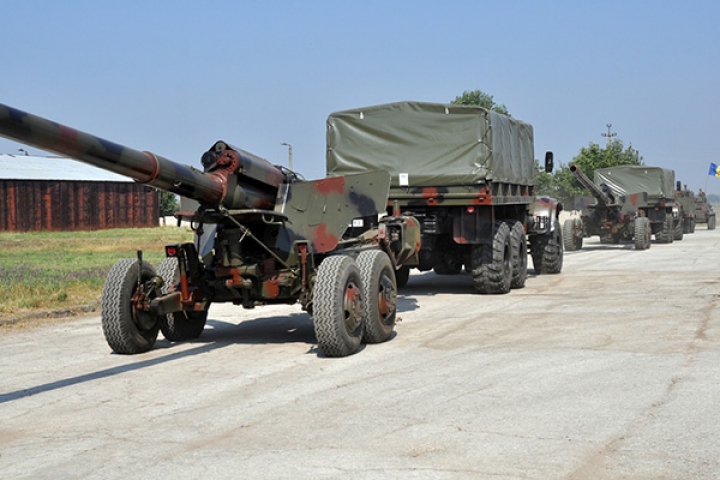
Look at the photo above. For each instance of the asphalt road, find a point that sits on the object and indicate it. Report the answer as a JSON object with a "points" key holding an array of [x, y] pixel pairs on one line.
{"points": [[609, 370]]}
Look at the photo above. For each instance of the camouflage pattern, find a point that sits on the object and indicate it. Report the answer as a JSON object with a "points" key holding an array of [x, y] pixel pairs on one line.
{"points": [[461, 172], [262, 232]]}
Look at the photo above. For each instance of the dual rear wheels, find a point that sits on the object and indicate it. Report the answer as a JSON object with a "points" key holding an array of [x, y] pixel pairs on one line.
{"points": [[354, 301], [129, 328]]}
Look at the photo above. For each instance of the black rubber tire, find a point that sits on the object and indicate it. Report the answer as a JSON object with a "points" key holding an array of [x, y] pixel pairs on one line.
{"points": [[667, 233], [642, 233], [380, 295], [178, 326], [692, 225], [127, 331], [678, 231], [572, 235], [338, 306], [711, 222], [520, 253], [492, 264], [547, 251], [402, 275]]}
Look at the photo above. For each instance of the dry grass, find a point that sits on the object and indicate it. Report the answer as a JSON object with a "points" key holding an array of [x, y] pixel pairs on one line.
{"points": [[48, 270]]}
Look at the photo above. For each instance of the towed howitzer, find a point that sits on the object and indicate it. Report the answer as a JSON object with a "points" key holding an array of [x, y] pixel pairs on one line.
{"points": [[611, 220], [263, 236]]}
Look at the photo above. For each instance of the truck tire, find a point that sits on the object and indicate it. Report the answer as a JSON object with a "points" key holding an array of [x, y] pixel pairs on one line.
{"points": [[642, 233], [572, 235], [711, 222], [547, 251], [678, 231], [338, 306], [402, 275], [126, 329], [178, 326], [492, 264], [380, 295], [520, 254], [692, 225], [667, 233]]}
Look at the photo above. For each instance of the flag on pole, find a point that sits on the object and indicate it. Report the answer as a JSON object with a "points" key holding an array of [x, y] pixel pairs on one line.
{"points": [[714, 170]]}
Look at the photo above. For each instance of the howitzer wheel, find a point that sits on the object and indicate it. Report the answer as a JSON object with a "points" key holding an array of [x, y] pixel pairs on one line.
{"points": [[127, 330], [520, 254], [642, 233], [547, 251], [380, 295], [711, 222], [338, 306], [492, 264], [572, 235], [178, 326]]}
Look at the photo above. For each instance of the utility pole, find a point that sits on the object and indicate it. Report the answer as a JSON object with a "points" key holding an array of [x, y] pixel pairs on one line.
{"points": [[289, 154], [609, 135]]}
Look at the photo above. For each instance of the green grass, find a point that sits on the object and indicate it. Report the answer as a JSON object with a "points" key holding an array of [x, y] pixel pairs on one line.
{"points": [[47, 270]]}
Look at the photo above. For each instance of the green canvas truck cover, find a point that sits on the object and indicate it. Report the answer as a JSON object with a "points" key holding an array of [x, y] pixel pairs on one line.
{"points": [[430, 144], [628, 179]]}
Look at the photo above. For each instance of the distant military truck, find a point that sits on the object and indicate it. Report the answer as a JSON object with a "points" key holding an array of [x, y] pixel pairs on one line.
{"points": [[704, 212], [686, 199], [659, 204], [468, 175]]}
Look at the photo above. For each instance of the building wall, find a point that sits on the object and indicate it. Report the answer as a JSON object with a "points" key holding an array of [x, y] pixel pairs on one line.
{"points": [[55, 205]]}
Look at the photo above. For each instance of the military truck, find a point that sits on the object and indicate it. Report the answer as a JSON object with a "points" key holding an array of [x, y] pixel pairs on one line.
{"points": [[686, 200], [704, 212], [467, 174], [652, 191], [263, 236]]}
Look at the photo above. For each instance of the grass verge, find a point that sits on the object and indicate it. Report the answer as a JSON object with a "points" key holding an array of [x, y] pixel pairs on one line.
{"points": [[52, 270]]}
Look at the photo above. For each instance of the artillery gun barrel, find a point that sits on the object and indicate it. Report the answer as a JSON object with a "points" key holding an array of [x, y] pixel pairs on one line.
{"points": [[210, 187], [601, 196]]}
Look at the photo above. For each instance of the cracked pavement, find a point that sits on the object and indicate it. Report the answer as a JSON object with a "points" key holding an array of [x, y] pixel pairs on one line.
{"points": [[608, 370]]}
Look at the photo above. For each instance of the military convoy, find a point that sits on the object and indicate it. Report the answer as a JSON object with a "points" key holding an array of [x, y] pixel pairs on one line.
{"points": [[334, 245], [467, 175], [632, 204]]}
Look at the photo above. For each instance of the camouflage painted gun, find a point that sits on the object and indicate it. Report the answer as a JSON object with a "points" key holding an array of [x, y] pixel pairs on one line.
{"points": [[263, 236], [612, 217]]}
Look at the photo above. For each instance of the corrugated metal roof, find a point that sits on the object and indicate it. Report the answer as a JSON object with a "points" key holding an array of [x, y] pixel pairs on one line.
{"points": [[30, 167]]}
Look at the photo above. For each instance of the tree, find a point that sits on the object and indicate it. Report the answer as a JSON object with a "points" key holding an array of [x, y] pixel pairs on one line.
{"points": [[168, 204], [565, 186], [481, 99]]}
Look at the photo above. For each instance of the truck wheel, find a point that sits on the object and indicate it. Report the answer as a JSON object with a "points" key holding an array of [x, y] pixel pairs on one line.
{"points": [[667, 233], [380, 294], [402, 275], [678, 231], [711, 222], [178, 326], [127, 330], [520, 254], [492, 264], [692, 225], [642, 233], [547, 251], [572, 235], [338, 306]]}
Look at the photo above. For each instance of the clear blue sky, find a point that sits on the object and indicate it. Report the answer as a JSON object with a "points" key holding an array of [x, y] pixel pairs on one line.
{"points": [[174, 77]]}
